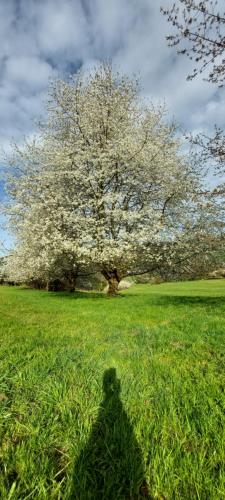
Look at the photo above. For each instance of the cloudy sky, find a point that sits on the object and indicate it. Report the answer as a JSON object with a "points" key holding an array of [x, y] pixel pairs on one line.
{"points": [[41, 39]]}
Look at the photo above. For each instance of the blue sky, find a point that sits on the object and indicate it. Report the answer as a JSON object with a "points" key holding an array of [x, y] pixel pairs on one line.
{"points": [[52, 38]]}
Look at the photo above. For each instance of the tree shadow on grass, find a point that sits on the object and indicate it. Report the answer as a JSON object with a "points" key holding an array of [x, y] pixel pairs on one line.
{"points": [[84, 294], [79, 294], [189, 300], [156, 299], [110, 467]]}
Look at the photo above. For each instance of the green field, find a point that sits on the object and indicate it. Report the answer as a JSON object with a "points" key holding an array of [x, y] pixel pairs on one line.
{"points": [[113, 398]]}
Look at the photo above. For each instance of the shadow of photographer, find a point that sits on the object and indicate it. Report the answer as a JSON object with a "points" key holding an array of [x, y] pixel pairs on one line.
{"points": [[111, 465]]}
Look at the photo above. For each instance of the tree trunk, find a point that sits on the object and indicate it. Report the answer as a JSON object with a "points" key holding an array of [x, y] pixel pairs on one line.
{"points": [[113, 286], [113, 280], [70, 281]]}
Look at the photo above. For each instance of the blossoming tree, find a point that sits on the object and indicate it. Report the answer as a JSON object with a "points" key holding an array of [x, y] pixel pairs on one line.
{"points": [[104, 186]]}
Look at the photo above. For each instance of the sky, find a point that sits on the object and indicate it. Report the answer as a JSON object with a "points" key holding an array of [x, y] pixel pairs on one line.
{"points": [[44, 39]]}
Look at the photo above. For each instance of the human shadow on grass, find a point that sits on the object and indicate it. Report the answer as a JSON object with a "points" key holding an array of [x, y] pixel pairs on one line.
{"points": [[110, 467]]}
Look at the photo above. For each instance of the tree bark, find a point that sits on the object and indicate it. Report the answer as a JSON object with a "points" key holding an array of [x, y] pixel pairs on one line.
{"points": [[113, 280]]}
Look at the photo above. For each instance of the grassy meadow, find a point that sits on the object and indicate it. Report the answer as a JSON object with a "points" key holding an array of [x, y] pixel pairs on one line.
{"points": [[113, 398]]}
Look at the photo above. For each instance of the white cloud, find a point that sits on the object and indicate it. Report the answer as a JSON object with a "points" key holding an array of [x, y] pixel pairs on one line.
{"points": [[32, 72], [62, 28]]}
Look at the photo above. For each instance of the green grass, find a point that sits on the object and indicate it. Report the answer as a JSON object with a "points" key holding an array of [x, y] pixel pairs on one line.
{"points": [[101, 397]]}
